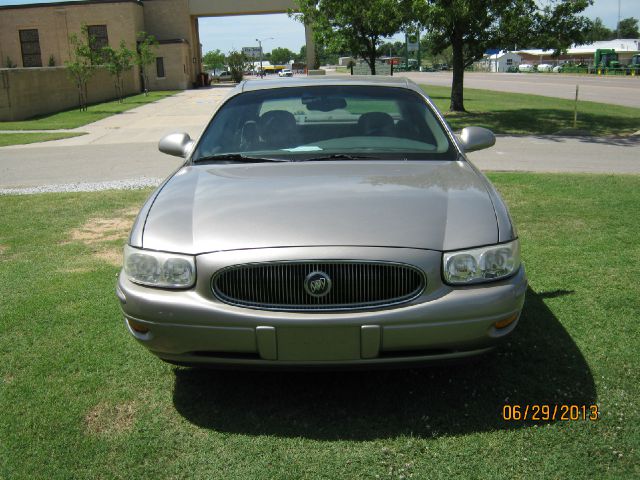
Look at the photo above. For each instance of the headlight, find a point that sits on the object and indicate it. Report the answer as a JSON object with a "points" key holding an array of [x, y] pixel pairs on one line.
{"points": [[481, 264], [159, 269]]}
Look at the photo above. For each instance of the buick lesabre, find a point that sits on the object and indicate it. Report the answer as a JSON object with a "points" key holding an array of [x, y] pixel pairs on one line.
{"points": [[323, 222]]}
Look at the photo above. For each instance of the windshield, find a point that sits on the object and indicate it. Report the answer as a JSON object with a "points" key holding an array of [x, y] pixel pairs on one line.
{"points": [[306, 123]]}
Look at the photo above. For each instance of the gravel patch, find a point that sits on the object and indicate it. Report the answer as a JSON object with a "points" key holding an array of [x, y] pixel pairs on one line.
{"points": [[131, 184]]}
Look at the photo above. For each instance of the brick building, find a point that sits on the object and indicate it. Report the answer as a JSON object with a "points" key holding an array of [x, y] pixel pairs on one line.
{"points": [[35, 39]]}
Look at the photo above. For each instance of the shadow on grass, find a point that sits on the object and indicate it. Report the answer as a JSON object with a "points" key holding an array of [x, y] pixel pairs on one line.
{"points": [[628, 141], [113, 112], [128, 100], [533, 121], [540, 364]]}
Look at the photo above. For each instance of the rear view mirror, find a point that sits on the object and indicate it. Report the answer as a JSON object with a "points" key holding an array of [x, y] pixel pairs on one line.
{"points": [[323, 104], [176, 144], [476, 138]]}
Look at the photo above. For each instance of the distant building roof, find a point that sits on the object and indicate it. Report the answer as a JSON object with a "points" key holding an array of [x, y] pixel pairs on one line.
{"points": [[619, 45], [497, 55]]}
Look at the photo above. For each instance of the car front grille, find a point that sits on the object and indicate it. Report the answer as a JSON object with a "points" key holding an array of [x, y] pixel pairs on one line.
{"points": [[289, 286]]}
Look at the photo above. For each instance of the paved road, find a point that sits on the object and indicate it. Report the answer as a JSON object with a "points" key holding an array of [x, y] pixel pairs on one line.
{"points": [[605, 89], [561, 154], [124, 147], [128, 161], [120, 147], [31, 167]]}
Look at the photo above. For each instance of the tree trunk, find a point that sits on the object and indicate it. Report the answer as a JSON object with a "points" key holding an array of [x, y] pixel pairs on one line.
{"points": [[457, 85], [369, 54]]}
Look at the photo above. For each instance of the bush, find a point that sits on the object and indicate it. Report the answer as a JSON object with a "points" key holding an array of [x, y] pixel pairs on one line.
{"points": [[238, 63]]}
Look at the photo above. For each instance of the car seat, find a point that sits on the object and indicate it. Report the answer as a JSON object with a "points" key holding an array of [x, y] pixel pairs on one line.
{"points": [[278, 129], [376, 124]]}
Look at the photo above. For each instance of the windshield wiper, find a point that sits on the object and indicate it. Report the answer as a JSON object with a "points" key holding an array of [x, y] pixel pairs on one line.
{"points": [[238, 157], [340, 156]]}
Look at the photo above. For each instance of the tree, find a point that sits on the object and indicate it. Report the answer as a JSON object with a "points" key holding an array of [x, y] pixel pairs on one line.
{"points": [[628, 28], [322, 55], [558, 25], [81, 64], [442, 58], [238, 63], [392, 49], [213, 60], [598, 31], [117, 62], [145, 56], [470, 27], [302, 56], [356, 26], [281, 56]]}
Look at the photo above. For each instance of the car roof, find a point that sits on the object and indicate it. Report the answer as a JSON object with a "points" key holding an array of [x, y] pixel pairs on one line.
{"points": [[320, 80]]}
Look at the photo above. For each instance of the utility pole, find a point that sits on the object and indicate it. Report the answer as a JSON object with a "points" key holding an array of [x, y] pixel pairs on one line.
{"points": [[406, 51], [260, 46], [618, 26], [419, 56]]}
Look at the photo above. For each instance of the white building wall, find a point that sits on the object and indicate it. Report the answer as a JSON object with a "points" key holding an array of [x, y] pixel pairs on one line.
{"points": [[502, 61]]}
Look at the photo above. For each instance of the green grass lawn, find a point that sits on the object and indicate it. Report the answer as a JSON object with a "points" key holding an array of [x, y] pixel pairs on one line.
{"points": [[516, 113], [75, 118], [7, 139], [79, 398]]}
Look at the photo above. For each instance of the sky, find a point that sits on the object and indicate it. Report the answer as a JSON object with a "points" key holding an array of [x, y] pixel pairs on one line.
{"points": [[229, 33]]}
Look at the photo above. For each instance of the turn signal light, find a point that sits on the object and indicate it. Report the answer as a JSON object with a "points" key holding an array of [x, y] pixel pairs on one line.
{"points": [[506, 321], [137, 327]]}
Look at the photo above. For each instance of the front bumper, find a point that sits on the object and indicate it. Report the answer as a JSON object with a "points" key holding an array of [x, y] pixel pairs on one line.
{"points": [[193, 327]]}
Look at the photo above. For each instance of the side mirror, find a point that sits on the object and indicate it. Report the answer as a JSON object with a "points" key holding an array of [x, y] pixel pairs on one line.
{"points": [[176, 144], [476, 138]]}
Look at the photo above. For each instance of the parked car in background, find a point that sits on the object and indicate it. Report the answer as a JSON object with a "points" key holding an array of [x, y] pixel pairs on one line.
{"points": [[224, 76], [545, 67], [323, 222], [285, 73], [525, 67], [441, 66]]}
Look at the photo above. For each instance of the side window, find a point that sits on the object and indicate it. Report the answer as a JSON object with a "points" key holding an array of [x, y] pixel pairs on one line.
{"points": [[30, 45], [509, 61], [160, 67]]}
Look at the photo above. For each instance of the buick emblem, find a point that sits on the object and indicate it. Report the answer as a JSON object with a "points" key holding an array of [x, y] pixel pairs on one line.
{"points": [[317, 284]]}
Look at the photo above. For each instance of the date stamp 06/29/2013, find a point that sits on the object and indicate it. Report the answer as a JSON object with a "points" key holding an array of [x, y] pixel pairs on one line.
{"points": [[550, 412]]}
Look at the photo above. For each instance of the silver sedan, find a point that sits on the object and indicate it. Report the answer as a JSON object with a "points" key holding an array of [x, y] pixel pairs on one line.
{"points": [[323, 222]]}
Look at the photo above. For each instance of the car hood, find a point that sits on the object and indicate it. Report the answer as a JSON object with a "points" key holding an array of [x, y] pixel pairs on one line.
{"points": [[436, 205]]}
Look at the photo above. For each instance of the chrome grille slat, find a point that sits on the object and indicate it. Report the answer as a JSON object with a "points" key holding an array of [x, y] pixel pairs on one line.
{"points": [[355, 285]]}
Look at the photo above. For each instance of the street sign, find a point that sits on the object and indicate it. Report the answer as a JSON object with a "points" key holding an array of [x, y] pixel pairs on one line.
{"points": [[251, 52], [413, 43]]}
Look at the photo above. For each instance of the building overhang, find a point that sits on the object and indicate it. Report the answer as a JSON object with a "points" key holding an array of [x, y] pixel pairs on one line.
{"points": [[67, 4], [220, 8]]}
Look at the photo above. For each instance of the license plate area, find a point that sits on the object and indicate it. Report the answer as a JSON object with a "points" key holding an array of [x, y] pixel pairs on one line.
{"points": [[299, 344]]}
